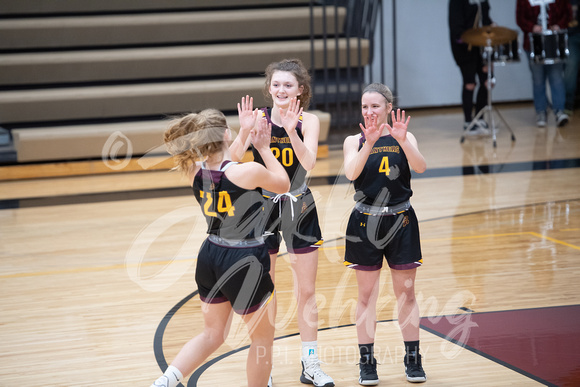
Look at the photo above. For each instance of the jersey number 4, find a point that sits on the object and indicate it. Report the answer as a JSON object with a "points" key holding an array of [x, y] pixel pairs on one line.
{"points": [[224, 203], [385, 166]]}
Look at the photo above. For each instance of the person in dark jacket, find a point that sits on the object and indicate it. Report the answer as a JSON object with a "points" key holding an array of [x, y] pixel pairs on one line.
{"points": [[465, 15]]}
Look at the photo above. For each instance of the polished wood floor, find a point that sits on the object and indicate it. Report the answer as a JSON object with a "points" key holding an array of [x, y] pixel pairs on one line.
{"points": [[97, 272]]}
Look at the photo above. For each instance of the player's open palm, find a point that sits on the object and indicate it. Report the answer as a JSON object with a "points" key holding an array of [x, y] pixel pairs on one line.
{"points": [[291, 115], [371, 129], [260, 135], [247, 114], [399, 128]]}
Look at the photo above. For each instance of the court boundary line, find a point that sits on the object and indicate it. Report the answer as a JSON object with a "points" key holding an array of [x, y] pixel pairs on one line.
{"points": [[485, 355], [165, 261], [192, 381], [456, 171], [194, 378]]}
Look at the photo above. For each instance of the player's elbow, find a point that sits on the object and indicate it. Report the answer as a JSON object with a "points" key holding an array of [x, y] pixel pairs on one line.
{"points": [[422, 167], [281, 184], [309, 164], [350, 175]]}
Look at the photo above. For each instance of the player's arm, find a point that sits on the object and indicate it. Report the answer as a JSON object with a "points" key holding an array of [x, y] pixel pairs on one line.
{"points": [[355, 159], [305, 150], [248, 116], [271, 176], [414, 157]]}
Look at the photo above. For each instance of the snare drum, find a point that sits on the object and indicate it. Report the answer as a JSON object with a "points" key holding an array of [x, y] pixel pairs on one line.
{"points": [[549, 47], [505, 53]]}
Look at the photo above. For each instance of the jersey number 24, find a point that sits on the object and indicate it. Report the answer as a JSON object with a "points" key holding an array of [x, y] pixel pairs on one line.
{"points": [[224, 203]]}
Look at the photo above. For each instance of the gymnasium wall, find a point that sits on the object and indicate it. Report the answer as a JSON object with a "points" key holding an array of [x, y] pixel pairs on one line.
{"points": [[419, 66]]}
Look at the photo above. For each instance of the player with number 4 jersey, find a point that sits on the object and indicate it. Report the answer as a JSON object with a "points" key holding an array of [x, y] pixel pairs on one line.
{"points": [[383, 225]]}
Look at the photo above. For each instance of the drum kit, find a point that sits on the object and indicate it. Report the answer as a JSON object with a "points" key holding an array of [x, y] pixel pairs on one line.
{"points": [[499, 45], [548, 47]]}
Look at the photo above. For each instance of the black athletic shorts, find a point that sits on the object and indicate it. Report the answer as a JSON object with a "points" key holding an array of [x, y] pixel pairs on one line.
{"points": [[238, 275], [295, 222], [370, 238]]}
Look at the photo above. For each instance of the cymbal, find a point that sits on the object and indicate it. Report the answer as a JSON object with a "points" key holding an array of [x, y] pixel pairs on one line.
{"points": [[495, 35]]}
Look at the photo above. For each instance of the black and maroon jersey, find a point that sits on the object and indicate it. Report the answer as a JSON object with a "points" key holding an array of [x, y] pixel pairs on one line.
{"points": [[283, 151], [231, 212], [386, 177]]}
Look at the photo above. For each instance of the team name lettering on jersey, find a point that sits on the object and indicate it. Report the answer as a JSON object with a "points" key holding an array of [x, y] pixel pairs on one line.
{"points": [[390, 148], [280, 140]]}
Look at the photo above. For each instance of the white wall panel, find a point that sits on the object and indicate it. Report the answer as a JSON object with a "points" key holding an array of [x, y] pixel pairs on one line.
{"points": [[422, 72]]}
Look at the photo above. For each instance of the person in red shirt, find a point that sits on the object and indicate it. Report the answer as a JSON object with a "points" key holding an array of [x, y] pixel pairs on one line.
{"points": [[530, 19]]}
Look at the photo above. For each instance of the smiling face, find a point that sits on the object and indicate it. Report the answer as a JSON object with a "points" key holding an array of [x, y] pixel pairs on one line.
{"points": [[374, 103], [283, 87]]}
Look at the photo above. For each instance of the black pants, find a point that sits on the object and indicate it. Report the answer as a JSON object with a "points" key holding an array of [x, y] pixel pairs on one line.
{"points": [[471, 65]]}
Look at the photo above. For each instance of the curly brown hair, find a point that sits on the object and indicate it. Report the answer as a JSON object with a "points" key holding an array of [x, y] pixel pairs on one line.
{"points": [[297, 68], [195, 136]]}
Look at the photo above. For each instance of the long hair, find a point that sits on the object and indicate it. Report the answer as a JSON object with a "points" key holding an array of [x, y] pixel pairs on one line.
{"points": [[297, 68], [195, 136]]}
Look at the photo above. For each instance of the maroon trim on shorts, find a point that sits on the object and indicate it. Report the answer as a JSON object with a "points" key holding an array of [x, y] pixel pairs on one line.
{"points": [[356, 266], [406, 266], [251, 309], [254, 308], [303, 250], [215, 300]]}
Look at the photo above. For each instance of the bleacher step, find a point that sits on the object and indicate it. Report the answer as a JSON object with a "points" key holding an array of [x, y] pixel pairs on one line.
{"points": [[111, 142], [163, 28], [165, 62], [117, 101], [48, 7]]}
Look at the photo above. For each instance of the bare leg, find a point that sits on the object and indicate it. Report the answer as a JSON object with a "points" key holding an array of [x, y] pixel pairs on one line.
{"points": [[304, 268], [404, 287], [217, 319], [273, 266], [366, 307], [261, 329]]}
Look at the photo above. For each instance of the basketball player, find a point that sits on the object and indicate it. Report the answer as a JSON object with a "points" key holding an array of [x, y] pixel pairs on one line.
{"points": [[383, 224], [293, 215], [233, 264]]}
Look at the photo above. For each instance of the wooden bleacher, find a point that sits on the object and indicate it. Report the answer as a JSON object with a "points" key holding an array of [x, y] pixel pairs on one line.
{"points": [[76, 75]]}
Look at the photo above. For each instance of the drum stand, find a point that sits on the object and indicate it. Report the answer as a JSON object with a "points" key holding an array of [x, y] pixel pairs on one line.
{"points": [[488, 109]]}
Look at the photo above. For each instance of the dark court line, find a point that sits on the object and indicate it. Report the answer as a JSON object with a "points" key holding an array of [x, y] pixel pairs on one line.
{"points": [[313, 181]]}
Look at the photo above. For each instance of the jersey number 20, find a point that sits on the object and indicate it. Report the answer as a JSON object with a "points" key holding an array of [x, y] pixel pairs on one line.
{"points": [[287, 156]]}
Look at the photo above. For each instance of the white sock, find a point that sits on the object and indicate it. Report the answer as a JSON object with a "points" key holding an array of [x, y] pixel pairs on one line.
{"points": [[309, 349], [170, 378]]}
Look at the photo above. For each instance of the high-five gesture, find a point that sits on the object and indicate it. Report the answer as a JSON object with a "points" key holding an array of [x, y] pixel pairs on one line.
{"points": [[260, 135], [291, 116], [247, 113], [247, 116], [371, 129], [399, 128]]}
